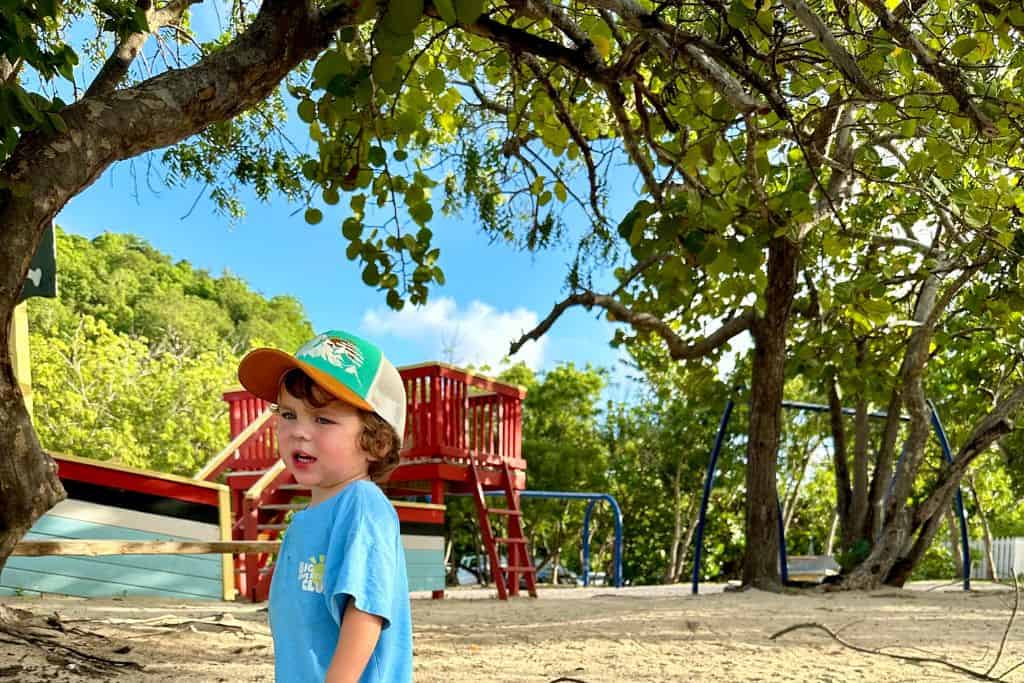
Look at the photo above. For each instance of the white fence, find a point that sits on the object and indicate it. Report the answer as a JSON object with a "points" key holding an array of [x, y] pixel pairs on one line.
{"points": [[1007, 553]]}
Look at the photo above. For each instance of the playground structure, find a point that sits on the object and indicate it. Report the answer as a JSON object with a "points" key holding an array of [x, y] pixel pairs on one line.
{"points": [[463, 436], [84, 546], [816, 565]]}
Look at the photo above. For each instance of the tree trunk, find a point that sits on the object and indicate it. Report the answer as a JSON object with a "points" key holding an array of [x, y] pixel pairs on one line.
{"points": [[844, 493], [954, 543], [677, 531], [793, 495], [898, 551], [859, 510], [990, 559], [882, 477], [829, 546], [28, 477], [891, 541], [47, 171], [691, 529], [761, 554]]}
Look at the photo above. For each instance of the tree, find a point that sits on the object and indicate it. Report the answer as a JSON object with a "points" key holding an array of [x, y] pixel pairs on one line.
{"points": [[758, 132]]}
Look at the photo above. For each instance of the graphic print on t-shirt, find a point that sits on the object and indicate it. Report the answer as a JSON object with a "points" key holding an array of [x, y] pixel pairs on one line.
{"points": [[311, 575]]}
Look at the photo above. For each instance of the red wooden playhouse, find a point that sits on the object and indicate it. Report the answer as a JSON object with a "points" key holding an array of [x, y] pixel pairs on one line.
{"points": [[463, 435]]}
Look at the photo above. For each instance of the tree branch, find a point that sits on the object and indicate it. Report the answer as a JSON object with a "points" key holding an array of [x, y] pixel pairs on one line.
{"points": [[699, 54], [485, 101], [948, 77], [990, 429], [104, 129], [618, 105], [9, 71], [542, 9], [980, 675], [114, 70], [562, 112], [679, 348], [844, 61], [519, 41]]}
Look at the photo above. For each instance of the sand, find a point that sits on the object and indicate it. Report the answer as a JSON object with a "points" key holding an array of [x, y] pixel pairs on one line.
{"points": [[597, 634]]}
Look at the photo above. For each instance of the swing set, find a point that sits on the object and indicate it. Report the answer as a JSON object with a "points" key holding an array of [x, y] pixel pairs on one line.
{"points": [[709, 480]]}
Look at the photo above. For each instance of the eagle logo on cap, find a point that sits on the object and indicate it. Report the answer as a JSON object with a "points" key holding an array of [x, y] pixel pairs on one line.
{"points": [[341, 353]]}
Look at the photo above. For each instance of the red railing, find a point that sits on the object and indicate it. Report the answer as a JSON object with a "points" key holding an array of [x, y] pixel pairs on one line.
{"points": [[452, 413], [260, 451]]}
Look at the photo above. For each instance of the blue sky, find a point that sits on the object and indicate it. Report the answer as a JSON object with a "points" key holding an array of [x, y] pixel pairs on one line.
{"points": [[493, 292]]}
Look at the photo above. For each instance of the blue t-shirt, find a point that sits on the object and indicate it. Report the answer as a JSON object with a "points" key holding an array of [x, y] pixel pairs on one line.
{"points": [[348, 547]]}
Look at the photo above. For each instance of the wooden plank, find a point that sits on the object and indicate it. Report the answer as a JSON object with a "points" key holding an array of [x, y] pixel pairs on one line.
{"points": [[146, 474], [191, 565], [78, 568], [75, 518], [216, 463], [95, 548], [30, 582]]}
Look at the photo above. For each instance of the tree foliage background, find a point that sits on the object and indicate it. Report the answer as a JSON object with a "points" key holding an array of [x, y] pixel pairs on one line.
{"points": [[130, 361]]}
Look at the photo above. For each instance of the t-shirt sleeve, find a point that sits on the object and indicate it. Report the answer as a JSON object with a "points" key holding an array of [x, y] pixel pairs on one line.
{"points": [[360, 566]]}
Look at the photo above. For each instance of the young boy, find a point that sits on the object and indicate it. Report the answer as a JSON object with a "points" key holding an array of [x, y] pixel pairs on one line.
{"points": [[339, 599]]}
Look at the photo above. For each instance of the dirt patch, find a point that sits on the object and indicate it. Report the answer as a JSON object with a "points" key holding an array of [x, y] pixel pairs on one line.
{"points": [[593, 635]]}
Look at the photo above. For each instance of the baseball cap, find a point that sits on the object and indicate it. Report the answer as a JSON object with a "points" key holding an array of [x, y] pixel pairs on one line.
{"points": [[350, 368]]}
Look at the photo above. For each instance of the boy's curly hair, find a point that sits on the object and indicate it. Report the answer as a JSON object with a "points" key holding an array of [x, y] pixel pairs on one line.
{"points": [[377, 437]]}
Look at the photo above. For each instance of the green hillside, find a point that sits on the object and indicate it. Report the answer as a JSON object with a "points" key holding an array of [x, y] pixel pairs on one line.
{"points": [[130, 362]]}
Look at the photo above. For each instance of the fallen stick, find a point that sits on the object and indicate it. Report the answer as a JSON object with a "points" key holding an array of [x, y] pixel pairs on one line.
{"points": [[980, 675]]}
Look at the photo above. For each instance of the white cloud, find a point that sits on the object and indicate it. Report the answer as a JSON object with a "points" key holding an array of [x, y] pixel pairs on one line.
{"points": [[476, 335]]}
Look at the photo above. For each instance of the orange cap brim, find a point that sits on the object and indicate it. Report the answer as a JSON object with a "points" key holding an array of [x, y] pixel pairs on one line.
{"points": [[262, 370]]}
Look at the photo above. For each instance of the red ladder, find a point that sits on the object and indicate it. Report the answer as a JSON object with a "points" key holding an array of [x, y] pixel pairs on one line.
{"points": [[506, 577]]}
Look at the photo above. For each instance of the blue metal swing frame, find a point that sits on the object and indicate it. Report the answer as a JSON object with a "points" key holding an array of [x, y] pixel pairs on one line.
{"points": [[709, 479]]}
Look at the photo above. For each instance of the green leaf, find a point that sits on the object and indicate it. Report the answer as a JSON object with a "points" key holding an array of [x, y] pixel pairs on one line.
{"points": [[384, 68], [560, 191], [447, 11], [355, 247], [393, 43], [468, 11], [307, 111], [57, 122], [377, 156], [365, 10], [421, 213], [352, 228], [371, 276], [402, 16], [436, 82], [964, 46]]}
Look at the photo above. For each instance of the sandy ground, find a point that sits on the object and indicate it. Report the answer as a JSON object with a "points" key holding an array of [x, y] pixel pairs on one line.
{"points": [[590, 635]]}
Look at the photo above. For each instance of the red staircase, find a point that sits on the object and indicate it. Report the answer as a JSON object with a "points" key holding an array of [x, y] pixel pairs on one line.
{"points": [[463, 435], [506, 577]]}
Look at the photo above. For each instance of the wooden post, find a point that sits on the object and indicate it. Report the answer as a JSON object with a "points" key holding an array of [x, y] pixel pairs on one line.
{"points": [[437, 498], [19, 353]]}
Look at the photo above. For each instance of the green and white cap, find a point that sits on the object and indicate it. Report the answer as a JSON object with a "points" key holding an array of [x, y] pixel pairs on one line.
{"points": [[348, 367]]}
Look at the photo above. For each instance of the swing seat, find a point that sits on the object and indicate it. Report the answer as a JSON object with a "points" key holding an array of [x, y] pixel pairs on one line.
{"points": [[811, 567]]}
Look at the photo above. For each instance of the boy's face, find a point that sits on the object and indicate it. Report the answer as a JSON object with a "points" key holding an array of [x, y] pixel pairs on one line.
{"points": [[320, 446]]}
